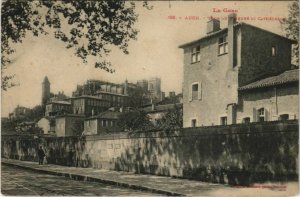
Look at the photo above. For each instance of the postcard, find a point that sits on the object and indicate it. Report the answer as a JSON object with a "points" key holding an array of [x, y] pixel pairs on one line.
{"points": [[175, 98]]}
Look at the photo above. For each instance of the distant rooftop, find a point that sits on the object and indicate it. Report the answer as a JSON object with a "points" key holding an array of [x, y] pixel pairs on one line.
{"points": [[160, 108], [285, 77], [106, 115], [60, 102]]}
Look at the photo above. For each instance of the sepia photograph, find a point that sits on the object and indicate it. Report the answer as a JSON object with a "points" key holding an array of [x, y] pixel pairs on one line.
{"points": [[149, 98]]}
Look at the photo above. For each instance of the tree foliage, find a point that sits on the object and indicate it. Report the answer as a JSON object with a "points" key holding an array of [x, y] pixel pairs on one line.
{"points": [[172, 119], [135, 120], [90, 28], [139, 97], [291, 28]]}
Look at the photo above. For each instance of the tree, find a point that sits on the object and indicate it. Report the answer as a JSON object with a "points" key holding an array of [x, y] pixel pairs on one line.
{"points": [[77, 127], [291, 28], [138, 97], [172, 119], [134, 121], [91, 28]]}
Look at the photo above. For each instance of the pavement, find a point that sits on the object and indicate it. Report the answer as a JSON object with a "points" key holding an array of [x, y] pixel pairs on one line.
{"points": [[158, 184], [20, 182]]}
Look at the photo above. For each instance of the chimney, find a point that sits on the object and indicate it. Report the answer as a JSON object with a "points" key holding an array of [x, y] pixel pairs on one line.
{"points": [[212, 26], [231, 39]]}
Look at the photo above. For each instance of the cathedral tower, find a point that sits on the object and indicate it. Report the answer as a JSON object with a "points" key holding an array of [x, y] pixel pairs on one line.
{"points": [[45, 91]]}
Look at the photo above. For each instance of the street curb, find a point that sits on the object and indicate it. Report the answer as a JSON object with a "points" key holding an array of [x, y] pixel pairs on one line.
{"points": [[98, 180]]}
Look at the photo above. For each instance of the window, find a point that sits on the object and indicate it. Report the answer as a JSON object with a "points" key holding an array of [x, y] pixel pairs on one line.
{"points": [[194, 91], [261, 115], [194, 123], [104, 123], [274, 51], [196, 54], [223, 120], [246, 120], [223, 45], [151, 86], [284, 117]]}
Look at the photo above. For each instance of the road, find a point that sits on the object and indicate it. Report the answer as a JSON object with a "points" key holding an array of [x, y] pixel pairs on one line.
{"points": [[16, 181]]}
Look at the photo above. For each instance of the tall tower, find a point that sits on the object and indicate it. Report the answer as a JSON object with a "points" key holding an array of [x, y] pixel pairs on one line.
{"points": [[45, 91]]}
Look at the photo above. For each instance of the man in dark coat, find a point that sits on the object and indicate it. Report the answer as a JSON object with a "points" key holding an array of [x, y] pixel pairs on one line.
{"points": [[41, 155]]}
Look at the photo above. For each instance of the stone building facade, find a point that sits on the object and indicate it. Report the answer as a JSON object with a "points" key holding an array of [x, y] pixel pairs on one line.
{"points": [[69, 125], [55, 108], [105, 122], [216, 65], [270, 99]]}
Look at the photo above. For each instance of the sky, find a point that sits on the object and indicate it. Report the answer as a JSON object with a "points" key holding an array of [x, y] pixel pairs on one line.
{"points": [[154, 54]]}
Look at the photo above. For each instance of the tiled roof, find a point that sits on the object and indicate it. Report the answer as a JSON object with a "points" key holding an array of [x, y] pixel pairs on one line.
{"points": [[225, 30], [158, 108], [286, 77], [106, 115]]}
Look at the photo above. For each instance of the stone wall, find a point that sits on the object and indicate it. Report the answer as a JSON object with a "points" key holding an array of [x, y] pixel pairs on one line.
{"points": [[236, 154]]}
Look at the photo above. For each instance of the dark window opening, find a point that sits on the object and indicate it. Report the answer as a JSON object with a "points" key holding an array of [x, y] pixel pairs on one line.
{"points": [[284, 117], [195, 91], [246, 120], [261, 115], [194, 123], [223, 45], [224, 120]]}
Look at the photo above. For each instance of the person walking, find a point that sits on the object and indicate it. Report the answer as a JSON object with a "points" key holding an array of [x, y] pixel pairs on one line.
{"points": [[41, 155]]}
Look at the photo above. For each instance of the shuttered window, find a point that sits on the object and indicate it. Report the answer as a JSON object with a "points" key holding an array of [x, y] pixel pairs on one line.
{"points": [[196, 54], [195, 91]]}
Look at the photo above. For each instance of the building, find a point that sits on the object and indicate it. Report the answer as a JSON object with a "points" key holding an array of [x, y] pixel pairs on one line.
{"points": [[19, 112], [45, 91], [113, 99], [54, 108], [154, 88], [221, 62], [89, 105], [105, 122], [60, 96], [69, 125], [157, 112], [270, 99], [172, 94], [143, 84], [91, 87], [47, 125]]}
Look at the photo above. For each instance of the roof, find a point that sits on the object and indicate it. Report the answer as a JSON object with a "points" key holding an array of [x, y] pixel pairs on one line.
{"points": [[286, 77], [159, 108], [225, 30], [70, 115], [106, 115], [60, 102], [46, 80], [87, 96], [113, 93]]}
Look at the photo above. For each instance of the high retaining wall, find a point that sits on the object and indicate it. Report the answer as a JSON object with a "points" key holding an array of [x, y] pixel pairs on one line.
{"points": [[236, 154]]}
